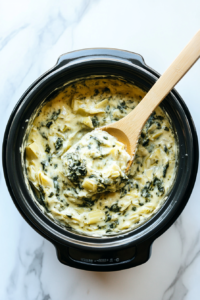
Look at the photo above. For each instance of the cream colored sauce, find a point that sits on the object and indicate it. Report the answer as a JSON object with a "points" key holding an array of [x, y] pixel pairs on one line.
{"points": [[96, 164], [72, 188]]}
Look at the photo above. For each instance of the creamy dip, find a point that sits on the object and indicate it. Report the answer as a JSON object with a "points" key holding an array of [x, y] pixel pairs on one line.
{"points": [[96, 164], [78, 173]]}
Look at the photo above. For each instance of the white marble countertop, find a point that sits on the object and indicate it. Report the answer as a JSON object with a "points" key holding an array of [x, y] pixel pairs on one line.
{"points": [[32, 36]]}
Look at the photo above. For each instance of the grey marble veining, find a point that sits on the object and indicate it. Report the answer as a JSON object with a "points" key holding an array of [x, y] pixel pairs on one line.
{"points": [[32, 36]]}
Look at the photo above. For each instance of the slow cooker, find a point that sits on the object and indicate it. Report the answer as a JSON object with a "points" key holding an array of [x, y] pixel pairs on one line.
{"points": [[106, 253]]}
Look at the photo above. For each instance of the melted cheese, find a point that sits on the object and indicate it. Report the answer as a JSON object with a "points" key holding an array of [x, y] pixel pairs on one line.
{"points": [[96, 164], [79, 172]]}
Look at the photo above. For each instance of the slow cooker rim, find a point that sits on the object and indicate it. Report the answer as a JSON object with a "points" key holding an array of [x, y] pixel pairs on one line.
{"points": [[24, 98]]}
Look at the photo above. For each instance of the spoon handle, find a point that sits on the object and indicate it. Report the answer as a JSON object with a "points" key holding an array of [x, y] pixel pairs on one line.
{"points": [[161, 88]]}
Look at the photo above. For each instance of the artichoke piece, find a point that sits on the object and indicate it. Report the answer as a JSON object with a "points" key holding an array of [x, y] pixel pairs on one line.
{"points": [[32, 151]]}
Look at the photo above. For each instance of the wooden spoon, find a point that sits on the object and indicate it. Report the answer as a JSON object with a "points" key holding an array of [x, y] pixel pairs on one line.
{"points": [[128, 129]]}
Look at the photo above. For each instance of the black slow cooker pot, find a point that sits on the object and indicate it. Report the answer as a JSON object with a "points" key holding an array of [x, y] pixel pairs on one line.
{"points": [[106, 253]]}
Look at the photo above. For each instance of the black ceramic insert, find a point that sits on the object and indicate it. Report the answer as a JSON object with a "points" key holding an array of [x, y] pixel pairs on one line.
{"points": [[106, 253]]}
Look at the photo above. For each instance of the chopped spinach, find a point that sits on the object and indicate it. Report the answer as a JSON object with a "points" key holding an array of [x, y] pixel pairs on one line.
{"points": [[158, 125], [165, 169], [76, 167], [92, 176], [44, 164], [87, 202], [49, 124], [108, 218], [47, 149], [122, 106], [49, 158], [97, 141], [42, 193], [127, 188], [59, 143], [107, 108], [145, 191], [101, 188], [161, 190], [152, 119], [165, 149], [157, 182], [96, 92], [106, 90], [113, 225], [159, 118], [115, 208], [55, 115], [150, 148], [56, 184], [95, 121], [43, 134], [145, 142]]}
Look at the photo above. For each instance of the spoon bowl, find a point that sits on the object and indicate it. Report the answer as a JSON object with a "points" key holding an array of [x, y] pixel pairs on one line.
{"points": [[121, 136]]}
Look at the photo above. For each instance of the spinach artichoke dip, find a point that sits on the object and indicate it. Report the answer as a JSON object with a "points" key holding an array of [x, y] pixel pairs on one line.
{"points": [[102, 159], [78, 173]]}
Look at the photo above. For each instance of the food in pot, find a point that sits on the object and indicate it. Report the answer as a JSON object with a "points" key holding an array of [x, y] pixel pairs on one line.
{"points": [[96, 164], [94, 195]]}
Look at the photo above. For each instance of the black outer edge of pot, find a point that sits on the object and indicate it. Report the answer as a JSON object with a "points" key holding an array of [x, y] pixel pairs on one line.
{"points": [[57, 245], [63, 59]]}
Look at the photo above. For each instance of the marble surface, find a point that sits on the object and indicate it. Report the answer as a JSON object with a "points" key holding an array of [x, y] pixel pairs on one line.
{"points": [[32, 36]]}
